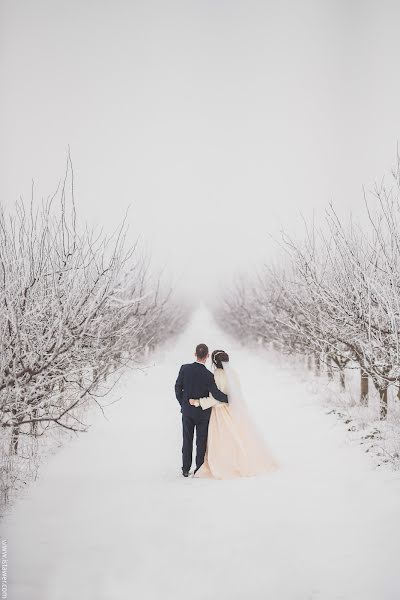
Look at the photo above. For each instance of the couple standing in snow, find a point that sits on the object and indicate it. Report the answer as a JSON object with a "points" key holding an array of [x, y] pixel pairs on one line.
{"points": [[228, 444]]}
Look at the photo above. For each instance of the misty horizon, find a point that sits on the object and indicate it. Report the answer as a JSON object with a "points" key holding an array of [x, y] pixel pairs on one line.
{"points": [[238, 118]]}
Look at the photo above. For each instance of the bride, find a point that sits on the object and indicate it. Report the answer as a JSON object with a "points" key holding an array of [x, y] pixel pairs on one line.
{"points": [[235, 447]]}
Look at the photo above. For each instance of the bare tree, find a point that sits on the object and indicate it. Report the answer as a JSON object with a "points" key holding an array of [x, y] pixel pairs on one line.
{"points": [[77, 307], [335, 298]]}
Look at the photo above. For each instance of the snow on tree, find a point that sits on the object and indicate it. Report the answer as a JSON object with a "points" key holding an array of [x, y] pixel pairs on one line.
{"points": [[335, 296], [77, 307]]}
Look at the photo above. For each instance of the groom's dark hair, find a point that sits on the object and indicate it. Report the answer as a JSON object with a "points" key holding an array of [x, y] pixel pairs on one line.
{"points": [[201, 351]]}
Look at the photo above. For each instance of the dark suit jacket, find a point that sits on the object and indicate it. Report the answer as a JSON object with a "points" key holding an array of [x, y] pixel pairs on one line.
{"points": [[196, 381]]}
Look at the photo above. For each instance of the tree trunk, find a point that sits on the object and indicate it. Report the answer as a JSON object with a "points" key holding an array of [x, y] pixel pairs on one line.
{"points": [[342, 379], [14, 439], [14, 433], [364, 388], [383, 403], [309, 362], [34, 424], [329, 368]]}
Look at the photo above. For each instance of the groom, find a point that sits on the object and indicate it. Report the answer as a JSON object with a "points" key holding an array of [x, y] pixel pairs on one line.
{"points": [[195, 381]]}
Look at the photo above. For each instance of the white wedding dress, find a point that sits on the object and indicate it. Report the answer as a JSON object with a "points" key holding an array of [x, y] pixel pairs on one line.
{"points": [[235, 447]]}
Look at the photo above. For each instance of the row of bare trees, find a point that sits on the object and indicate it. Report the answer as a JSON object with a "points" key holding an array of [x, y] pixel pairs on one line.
{"points": [[334, 297], [77, 307]]}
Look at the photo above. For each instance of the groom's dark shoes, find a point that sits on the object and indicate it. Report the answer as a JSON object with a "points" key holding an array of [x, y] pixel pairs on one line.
{"points": [[185, 473]]}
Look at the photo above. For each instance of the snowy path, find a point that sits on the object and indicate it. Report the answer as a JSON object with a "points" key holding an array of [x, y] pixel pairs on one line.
{"points": [[111, 519]]}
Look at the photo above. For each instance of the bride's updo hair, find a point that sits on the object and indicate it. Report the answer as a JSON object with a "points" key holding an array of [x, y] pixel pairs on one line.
{"points": [[218, 357]]}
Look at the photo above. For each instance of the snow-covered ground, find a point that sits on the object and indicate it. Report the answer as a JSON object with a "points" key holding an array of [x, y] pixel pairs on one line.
{"points": [[111, 518]]}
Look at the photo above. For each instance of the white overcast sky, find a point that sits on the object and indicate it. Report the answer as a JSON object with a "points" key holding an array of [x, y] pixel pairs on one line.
{"points": [[218, 121]]}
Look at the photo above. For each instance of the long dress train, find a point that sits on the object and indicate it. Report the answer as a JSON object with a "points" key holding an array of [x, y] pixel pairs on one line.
{"points": [[234, 447]]}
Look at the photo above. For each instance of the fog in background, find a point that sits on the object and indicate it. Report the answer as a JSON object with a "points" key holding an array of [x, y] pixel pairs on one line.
{"points": [[216, 121]]}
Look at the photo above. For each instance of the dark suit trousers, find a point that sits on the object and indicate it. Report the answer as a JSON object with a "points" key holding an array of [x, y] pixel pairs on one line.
{"points": [[190, 423]]}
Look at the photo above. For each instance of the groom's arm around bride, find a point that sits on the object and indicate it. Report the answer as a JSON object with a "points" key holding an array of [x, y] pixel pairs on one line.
{"points": [[192, 381]]}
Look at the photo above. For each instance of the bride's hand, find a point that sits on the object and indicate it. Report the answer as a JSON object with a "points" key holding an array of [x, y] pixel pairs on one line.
{"points": [[192, 402]]}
